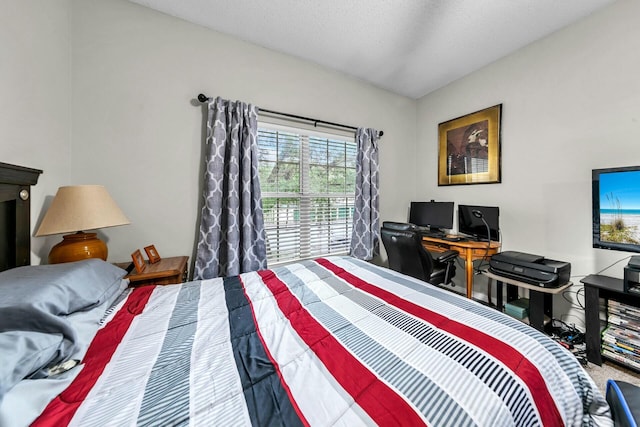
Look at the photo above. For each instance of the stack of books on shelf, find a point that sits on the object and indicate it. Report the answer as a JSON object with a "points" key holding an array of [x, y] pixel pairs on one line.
{"points": [[621, 338]]}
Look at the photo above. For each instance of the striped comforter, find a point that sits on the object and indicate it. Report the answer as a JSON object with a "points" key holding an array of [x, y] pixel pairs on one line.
{"points": [[335, 341]]}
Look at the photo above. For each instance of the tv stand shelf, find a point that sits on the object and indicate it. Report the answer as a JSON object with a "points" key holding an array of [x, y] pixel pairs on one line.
{"points": [[540, 298], [595, 287]]}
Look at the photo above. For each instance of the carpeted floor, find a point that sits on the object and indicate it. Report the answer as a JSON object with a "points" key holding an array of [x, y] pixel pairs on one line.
{"points": [[610, 370]]}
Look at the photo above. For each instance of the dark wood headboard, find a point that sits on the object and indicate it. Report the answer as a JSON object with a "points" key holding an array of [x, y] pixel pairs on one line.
{"points": [[15, 214]]}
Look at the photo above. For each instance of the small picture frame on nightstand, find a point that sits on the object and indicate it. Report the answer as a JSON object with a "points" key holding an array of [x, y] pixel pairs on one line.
{"points": [[152, 253], [138, 261]]}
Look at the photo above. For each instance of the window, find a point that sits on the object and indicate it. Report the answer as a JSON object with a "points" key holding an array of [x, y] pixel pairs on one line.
{"points": [[308, 188]]}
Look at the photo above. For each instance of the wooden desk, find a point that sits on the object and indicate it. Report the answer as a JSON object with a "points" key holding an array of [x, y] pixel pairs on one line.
{"points": [[469, 250], [540, 299]]}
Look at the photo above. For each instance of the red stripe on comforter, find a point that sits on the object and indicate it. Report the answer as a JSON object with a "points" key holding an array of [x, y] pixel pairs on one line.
{"points": [[379, 400], [508, 355], [61, 410]]}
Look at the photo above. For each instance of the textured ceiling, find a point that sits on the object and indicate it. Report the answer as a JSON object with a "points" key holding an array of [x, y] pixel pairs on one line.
{"points": [[410, 47]]}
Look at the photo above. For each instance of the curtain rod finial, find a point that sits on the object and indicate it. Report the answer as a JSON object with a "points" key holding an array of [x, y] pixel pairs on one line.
{"points": [[202, 98]]}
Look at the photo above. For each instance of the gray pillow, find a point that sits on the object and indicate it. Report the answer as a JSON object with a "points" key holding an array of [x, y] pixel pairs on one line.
{"points": [[59, 289], [34, 303], [24, 353]]}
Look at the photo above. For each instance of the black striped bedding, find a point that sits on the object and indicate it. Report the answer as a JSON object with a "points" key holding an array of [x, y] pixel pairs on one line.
{"points": [[333, 341]]}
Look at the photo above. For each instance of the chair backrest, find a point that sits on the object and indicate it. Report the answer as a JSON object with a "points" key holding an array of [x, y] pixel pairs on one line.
{"points": [[406, 254]]}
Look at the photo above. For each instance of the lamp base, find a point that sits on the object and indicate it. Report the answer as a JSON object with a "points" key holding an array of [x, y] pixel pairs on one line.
{"points": [[78, 246]]}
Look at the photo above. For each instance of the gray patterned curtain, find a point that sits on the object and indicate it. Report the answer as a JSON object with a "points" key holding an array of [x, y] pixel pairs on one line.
{"points": [[232, 235], [365, 239]]}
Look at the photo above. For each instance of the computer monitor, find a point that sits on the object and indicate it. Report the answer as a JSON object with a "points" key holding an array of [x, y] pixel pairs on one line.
{"points": [[438, 216], [616, 208], [471, 225]]}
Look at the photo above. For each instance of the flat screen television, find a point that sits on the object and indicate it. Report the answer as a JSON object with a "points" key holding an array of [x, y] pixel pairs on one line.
{"points": [[473, 226], [438, 216], [616, 208]]}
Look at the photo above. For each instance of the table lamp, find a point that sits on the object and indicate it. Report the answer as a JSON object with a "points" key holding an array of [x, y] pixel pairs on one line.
{"points": [[74, 209], [478, 214]]}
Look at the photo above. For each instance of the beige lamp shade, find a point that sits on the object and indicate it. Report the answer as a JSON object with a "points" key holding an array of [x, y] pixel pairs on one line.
{"points": [[77, 208], [81, 207]]}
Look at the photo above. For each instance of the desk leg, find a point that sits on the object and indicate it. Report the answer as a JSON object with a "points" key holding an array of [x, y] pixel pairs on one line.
{"points": [[537, 309], [512, 292], [499, 295], [548, 305], [468, 263], [592, 323]]}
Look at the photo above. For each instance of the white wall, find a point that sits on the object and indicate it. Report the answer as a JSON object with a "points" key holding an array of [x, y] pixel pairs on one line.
{"points": [[35, 76], [103, 92], [138, 130], [571, 103]]}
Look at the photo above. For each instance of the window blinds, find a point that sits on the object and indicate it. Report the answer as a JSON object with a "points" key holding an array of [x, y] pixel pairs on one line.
{"points": [[308, 187]]}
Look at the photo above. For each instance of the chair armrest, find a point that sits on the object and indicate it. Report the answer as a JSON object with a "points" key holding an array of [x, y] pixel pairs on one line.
{"points": [[624, 400], [447, 256]]}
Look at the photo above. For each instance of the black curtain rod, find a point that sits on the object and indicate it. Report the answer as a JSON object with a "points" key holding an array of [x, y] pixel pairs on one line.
{"points": [[204, 98]]}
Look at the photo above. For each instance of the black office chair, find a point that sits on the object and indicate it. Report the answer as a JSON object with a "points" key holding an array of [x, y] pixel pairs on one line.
{"points": [[624, 400], [403, 244]]}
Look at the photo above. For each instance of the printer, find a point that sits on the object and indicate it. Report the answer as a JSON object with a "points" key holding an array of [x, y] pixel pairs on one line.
{"points": [[529, 268]]}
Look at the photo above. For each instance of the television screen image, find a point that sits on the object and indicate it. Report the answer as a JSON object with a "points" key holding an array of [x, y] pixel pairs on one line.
{"points": [[616, 208], [438, 216], [471, 225]]}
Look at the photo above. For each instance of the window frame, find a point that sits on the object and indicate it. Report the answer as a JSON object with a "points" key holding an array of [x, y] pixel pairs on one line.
{"points": [[305, 225]]}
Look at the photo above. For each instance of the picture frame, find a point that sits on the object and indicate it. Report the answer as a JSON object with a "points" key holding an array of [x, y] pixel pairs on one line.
{"points": [[152, 254], [138, 261], [469, 148]]}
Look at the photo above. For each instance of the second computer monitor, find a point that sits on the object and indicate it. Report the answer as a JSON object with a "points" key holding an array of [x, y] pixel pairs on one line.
{"points": [[473, 225], [438, 216]]}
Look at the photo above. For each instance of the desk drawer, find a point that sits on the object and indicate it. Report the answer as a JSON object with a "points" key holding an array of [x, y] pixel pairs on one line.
{"points": [[476, 253], [438, 247], [480, 252], [435, 247]]}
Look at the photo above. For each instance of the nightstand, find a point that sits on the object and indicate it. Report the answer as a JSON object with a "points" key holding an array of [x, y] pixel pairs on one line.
{"points": [[167, 271]]}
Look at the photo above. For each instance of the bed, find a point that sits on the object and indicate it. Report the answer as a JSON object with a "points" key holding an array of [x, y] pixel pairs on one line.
{"points": [[324, 342]]}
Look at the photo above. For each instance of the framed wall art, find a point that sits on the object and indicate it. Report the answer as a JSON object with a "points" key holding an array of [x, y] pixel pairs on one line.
{"points": [[469, 148]]}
